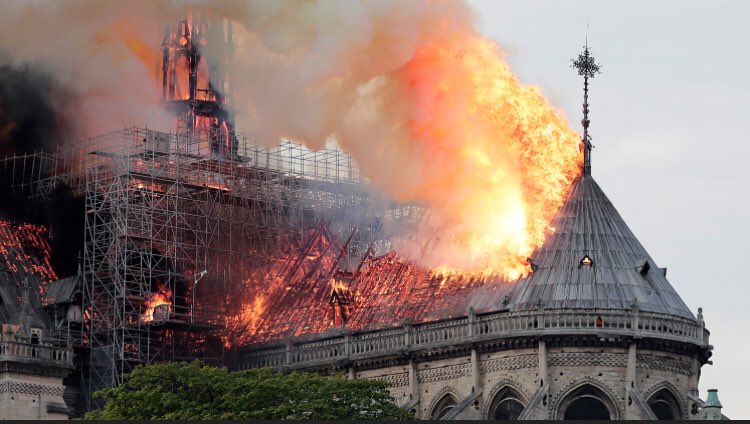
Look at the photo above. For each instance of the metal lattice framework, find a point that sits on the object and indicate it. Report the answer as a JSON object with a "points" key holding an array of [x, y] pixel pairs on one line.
{"points": [[37, 174], [160, 210]]}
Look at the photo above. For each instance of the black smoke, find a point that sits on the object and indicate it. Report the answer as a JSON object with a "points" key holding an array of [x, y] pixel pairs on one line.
{"points": [[35, 117], [32, 114], [66, 219]]}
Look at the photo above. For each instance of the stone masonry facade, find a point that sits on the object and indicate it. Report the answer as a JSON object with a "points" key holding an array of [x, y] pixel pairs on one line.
{"points": [[544, 364]]}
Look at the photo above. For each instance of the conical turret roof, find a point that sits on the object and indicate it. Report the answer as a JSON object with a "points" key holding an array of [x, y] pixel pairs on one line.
{"points": [[594, 261]]}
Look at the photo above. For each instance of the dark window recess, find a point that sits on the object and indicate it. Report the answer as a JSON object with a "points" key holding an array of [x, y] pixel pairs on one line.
{"points": [[587, 408], [645, 268]]}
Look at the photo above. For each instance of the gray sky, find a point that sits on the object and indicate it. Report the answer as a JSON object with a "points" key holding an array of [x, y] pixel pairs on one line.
{"points": [[670, 129]]}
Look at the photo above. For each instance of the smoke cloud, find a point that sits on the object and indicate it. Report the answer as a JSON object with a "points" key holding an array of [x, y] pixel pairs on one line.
{"points": [[30, 106], [97, 52], [423, 102]]}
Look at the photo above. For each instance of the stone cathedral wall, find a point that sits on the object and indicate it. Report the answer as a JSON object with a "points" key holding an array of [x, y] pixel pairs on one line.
{"points": [[540, 362], [567, 369]]}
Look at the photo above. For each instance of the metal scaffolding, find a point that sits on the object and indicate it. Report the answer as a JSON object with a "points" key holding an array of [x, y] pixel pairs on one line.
{"points": [[173, 232], [37, 174], [170, 230], [177, 224]]}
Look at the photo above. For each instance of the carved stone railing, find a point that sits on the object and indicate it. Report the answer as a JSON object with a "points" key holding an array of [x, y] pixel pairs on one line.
{"points": [[13, 351], [473, 329]]}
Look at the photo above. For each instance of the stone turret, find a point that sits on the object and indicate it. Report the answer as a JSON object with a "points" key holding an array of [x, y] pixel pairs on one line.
{"points": [[712, 406]]}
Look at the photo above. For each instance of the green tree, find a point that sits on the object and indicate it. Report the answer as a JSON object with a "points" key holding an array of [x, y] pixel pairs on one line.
{"points": [[181, 391]]}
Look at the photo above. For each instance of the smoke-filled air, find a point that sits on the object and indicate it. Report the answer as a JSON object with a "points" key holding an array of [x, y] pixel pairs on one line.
{"points": [[424, 103]]}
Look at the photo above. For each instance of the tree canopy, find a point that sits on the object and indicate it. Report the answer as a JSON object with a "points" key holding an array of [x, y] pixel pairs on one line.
{"points": [[181, 391]]}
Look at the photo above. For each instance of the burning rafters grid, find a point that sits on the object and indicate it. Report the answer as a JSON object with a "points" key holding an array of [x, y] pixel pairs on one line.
{"points": [[160, 209], [25, 254]]}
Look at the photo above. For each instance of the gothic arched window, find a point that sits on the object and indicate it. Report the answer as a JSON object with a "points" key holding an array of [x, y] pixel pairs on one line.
{"points": [[587, 408], [664, 405], [587, 403], [506, 405], [443, 407]]}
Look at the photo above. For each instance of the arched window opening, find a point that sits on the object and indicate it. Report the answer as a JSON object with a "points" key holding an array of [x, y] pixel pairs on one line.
{"points": [[506, 405], [507, 410], [443, 407], [587, 408], [664, 405], [587, 403]]}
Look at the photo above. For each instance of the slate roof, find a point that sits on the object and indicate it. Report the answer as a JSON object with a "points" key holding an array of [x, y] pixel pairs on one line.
{"points": [[589, 225], [19, 305], [61, 291]]}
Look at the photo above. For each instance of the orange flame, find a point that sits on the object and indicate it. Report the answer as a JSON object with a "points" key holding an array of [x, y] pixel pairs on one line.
{"points": [[251, 315], [156, 300], [498, 160]]}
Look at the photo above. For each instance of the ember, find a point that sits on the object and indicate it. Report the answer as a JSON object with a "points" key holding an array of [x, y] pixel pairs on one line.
{"points": [[24, 250]]}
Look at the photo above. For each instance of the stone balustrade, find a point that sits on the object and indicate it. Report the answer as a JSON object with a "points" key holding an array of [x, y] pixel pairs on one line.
{"points": [[473, 329], [10, 351]]}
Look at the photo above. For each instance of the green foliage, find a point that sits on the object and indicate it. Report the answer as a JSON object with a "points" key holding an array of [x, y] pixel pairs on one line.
{"points": [[187, 391]]}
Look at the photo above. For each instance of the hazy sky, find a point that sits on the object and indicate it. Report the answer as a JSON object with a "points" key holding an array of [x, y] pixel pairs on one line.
{"points": [[670, 128]]}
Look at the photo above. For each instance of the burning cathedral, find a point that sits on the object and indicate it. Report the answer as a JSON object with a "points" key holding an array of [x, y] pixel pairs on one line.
{"points": [[594, 331], [202, 244]]}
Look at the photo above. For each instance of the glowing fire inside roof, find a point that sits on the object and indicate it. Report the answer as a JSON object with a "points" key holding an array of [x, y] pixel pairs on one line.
{"points": [[25, 252], [313, 290]]}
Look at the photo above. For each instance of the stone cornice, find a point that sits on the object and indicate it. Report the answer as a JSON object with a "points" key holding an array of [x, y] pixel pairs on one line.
{"points": [[487, 333], [34, 359], [36, 368]]}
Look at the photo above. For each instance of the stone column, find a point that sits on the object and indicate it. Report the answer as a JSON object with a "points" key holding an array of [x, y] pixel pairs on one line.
{"points": [[414, 382], [542, 363], [407, 336], [632, 358], [472, 320], [476, 371], [288, 353], [695, 372]]}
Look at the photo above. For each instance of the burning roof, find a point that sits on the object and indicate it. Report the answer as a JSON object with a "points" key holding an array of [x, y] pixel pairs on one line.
{"points": [[315, 289], [24, 264], [24, 254], [591, 261]]}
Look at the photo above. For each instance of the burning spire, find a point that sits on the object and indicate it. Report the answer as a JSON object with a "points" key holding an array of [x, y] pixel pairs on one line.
{"points": [[196, 54], [587, 68]]}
